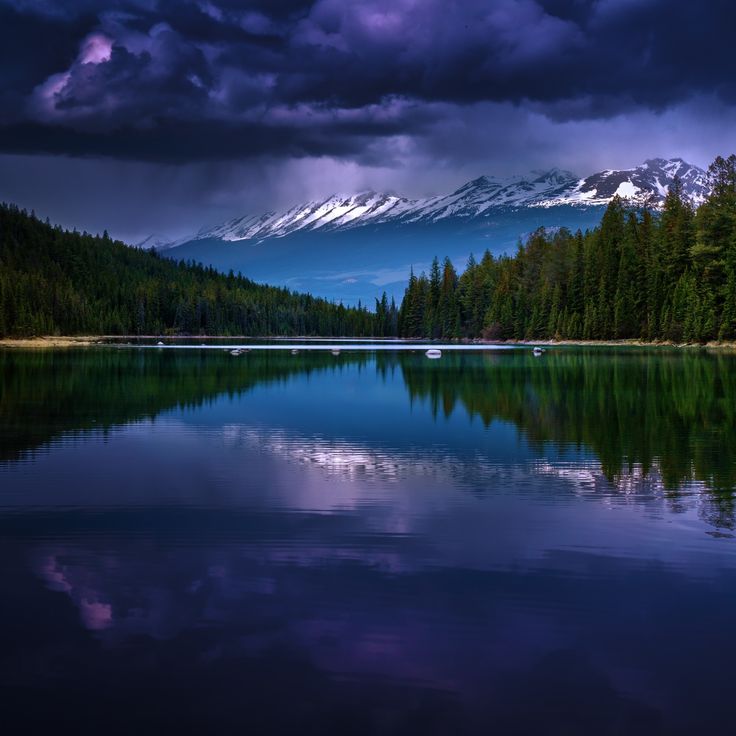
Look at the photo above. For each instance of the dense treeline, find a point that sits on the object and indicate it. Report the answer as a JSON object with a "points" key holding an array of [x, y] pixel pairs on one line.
{"points": [[58, 282], [669, 275]]}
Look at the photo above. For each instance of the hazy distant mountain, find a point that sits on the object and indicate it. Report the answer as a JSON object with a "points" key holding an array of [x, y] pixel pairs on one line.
{"points": [[157, 243], [352, 247]]}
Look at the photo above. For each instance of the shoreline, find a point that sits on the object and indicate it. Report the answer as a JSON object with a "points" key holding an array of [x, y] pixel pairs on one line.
{"points": [[633, 343], [49, 342], [57, 342]]}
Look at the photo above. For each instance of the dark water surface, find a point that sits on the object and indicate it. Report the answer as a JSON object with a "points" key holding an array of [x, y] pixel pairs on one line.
{"points": [[367, 543]]}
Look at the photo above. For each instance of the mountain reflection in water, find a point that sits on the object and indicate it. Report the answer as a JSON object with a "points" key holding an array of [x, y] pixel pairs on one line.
{"points": [[368, 543]]}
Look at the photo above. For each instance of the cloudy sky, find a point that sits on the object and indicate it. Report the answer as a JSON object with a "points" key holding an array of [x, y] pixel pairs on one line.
{"points": [[145, 116]]}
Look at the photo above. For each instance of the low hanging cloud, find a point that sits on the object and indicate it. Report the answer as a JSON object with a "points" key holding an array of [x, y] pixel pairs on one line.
{"points": [[186, 81]]}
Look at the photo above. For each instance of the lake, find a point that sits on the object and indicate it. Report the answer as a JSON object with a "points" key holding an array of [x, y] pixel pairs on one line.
{"points": [[367, 543]]}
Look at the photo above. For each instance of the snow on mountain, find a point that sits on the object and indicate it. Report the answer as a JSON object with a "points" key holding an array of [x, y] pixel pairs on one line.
{"points": [[157, 243], [480, 198], [334, 211], [646, 184]]}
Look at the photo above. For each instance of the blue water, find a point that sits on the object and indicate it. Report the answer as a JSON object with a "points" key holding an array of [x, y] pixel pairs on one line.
{"points": [[367, 543]]}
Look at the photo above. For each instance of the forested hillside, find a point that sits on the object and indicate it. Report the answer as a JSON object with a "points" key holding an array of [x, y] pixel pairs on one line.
{"points": [[670, 275], [58, 282]]}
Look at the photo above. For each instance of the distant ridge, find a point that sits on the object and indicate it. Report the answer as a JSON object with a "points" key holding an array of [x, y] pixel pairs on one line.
{"points": [[644, 184], [351, 247]]}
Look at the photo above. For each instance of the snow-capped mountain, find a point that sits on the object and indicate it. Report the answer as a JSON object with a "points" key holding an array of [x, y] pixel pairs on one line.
{"points": [[483, 197], [644, 185], [351, 247]]}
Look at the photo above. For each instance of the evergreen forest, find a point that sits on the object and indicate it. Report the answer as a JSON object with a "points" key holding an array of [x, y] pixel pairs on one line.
{"points": [[56, 282], [642, 274]]}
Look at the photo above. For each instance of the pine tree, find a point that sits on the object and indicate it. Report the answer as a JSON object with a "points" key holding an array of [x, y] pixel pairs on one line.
{"points": [[676, 232], [432, 326], [625, 312], [447, 309]]}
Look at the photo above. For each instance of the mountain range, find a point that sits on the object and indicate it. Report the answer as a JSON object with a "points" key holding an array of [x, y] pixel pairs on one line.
{"points": [[353, 247]]}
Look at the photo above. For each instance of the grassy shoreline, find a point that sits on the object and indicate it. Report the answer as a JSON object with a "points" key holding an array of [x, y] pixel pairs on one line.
{"points": [[73, 341], [48, 342]]}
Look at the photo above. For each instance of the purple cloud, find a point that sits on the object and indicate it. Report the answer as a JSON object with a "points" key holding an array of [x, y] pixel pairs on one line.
{"points": [[202, 80]]}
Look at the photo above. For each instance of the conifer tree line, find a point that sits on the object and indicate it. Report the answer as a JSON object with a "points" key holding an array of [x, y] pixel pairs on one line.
{"points": [[666, 275], [58, 282]]}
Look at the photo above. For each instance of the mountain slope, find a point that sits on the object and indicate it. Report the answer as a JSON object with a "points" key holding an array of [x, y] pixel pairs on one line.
{"points": [[644, 185], [57, 282], [351, 247]]}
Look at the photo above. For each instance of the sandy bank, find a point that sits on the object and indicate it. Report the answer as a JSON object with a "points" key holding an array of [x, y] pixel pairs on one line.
{"points": [[47, 342]]}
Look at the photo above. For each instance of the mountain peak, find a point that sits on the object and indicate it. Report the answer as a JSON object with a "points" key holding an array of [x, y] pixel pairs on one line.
{"points": [[484, 180], [555, 175], [480, 182], [659, 160], [646, 184]]}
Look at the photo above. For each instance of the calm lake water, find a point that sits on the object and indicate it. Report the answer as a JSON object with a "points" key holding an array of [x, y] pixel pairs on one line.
{"points": [[369, 543]]}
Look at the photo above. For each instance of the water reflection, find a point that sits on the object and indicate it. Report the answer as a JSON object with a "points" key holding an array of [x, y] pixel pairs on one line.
{"points": [[656, 423], [221, 632], [367, 544], [630, 408]]}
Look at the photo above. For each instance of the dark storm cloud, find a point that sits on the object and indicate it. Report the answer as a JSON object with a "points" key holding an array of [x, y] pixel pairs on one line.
{"points": [[175, 140], [184, 81]]}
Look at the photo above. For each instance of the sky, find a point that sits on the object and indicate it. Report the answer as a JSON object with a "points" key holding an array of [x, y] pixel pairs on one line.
{"points": [[163, 116]]}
